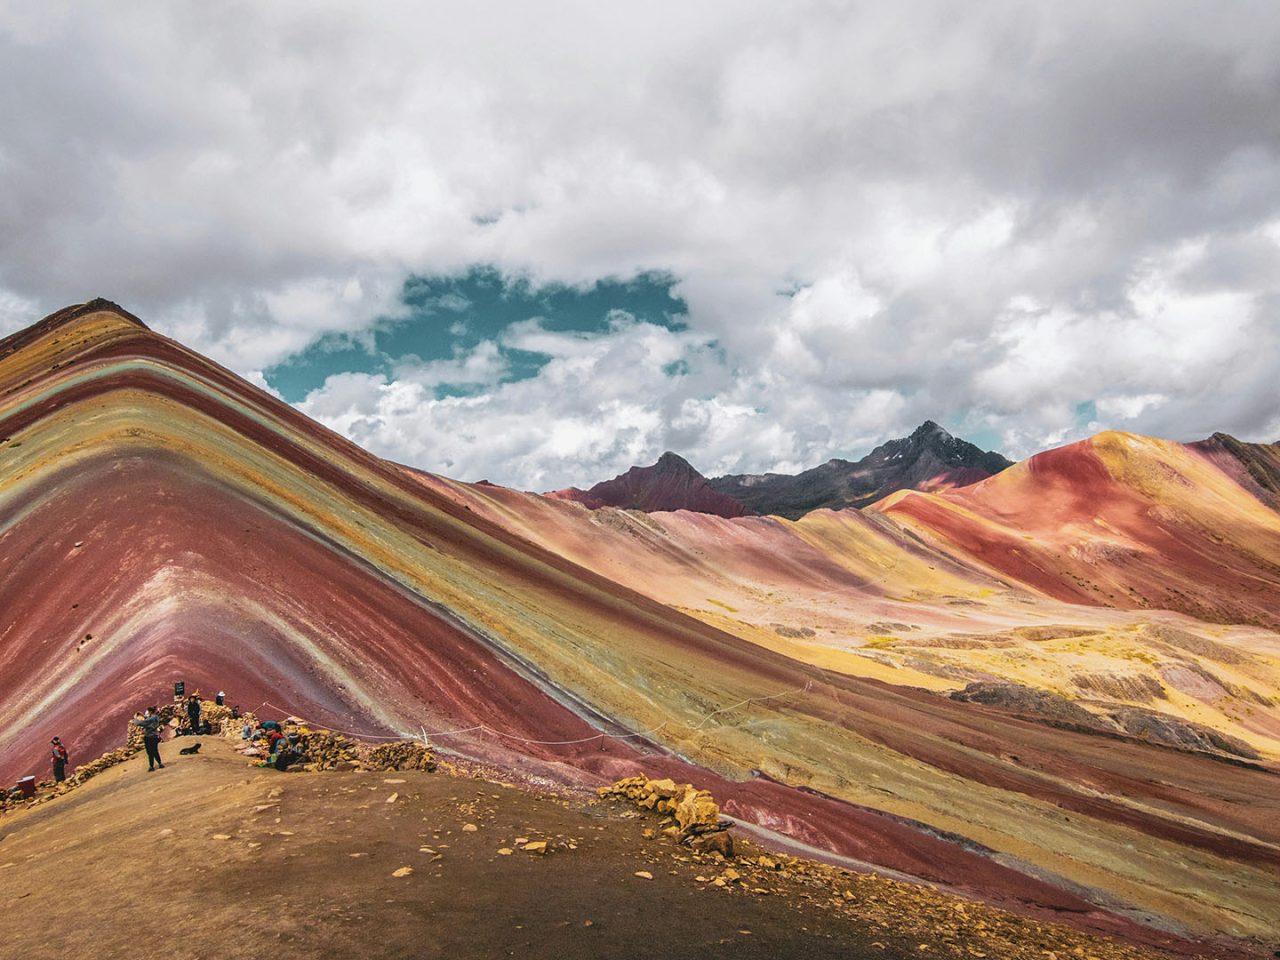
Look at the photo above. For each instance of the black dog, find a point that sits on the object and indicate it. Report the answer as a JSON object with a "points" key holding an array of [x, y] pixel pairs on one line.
{"points": [[194, 748]]}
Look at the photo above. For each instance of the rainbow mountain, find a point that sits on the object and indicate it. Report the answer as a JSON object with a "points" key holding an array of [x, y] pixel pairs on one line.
{"points": [[1055, 689]]}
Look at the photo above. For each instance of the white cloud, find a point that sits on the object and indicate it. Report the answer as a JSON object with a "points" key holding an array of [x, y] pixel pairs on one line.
{"points": [[1129, 406], [16, 312], [484, 365], [602, 403], [595, 403], [993, 216]]}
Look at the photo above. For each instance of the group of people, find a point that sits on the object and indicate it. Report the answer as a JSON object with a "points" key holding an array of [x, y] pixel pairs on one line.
{"points": [[150, 722], [282, 750]]}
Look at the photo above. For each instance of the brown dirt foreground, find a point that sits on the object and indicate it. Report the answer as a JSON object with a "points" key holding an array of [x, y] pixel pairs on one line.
{"points": [[210, 858]]}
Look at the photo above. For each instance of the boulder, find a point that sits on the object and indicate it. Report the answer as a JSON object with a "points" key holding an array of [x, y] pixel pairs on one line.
{"points": [[401, 755], [717, 841], [664, 789], [697, 812]]}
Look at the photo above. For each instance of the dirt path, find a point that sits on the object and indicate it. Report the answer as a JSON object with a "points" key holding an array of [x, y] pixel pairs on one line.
{"points": [[210, 858]]}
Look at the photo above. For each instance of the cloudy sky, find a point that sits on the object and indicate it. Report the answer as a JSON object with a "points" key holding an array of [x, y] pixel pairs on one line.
{"points": [[538, 243]]}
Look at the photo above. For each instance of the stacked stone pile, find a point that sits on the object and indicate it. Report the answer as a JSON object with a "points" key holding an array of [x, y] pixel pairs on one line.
{"points": [[400, 755], [231, 728], [325, 750], [219, 718], [694, 814], [87, 771]]}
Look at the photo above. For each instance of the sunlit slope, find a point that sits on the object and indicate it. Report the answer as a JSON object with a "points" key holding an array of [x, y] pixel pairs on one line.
{"points": [[855, 592], [861, 594], [1119, 520], [162, 519], [144, 454]]}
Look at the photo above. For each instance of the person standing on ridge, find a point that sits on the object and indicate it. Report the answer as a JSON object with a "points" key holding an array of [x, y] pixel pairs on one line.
{"points": [[150, 724], [193, 713], [59, 760]]}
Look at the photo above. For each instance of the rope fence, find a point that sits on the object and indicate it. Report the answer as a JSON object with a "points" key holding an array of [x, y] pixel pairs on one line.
{"points": [[426, 736]]}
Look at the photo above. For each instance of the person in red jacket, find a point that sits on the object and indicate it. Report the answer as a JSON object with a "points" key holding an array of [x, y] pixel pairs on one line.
{"points": [[272, 739], [59, 760]]}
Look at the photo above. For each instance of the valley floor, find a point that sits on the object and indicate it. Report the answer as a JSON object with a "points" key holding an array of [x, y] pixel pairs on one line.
{"points": [[211, 858]]}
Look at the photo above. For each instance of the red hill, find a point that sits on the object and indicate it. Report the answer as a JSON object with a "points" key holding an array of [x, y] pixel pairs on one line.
{"points": [[670, 484]]}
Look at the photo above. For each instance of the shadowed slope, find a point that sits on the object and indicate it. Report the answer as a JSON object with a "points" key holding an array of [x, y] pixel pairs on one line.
{"points": [[1255, 466], [849, 566]]}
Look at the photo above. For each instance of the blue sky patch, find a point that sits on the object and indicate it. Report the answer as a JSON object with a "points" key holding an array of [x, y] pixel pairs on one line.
{"points": [[447, 316]]}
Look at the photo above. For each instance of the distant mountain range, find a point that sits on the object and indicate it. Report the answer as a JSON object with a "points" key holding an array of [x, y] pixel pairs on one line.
{"points": [[929, 459]]}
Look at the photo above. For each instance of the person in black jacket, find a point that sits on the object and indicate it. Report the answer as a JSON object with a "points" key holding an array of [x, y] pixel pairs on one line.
{"points": [[150, 723], [193, 713]]}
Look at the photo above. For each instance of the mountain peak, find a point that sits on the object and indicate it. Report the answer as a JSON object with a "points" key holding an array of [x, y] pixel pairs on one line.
{"points": [[930, 430], [96, 305], [672, 483], [63, 318], [671, 462]]}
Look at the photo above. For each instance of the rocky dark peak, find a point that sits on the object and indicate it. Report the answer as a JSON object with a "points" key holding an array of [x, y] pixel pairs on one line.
{"points": [[96, 305], [929, 458], [930, 429]]}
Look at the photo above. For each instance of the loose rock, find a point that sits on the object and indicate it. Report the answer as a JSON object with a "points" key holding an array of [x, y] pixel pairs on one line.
{"points": [[697, 815]]}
